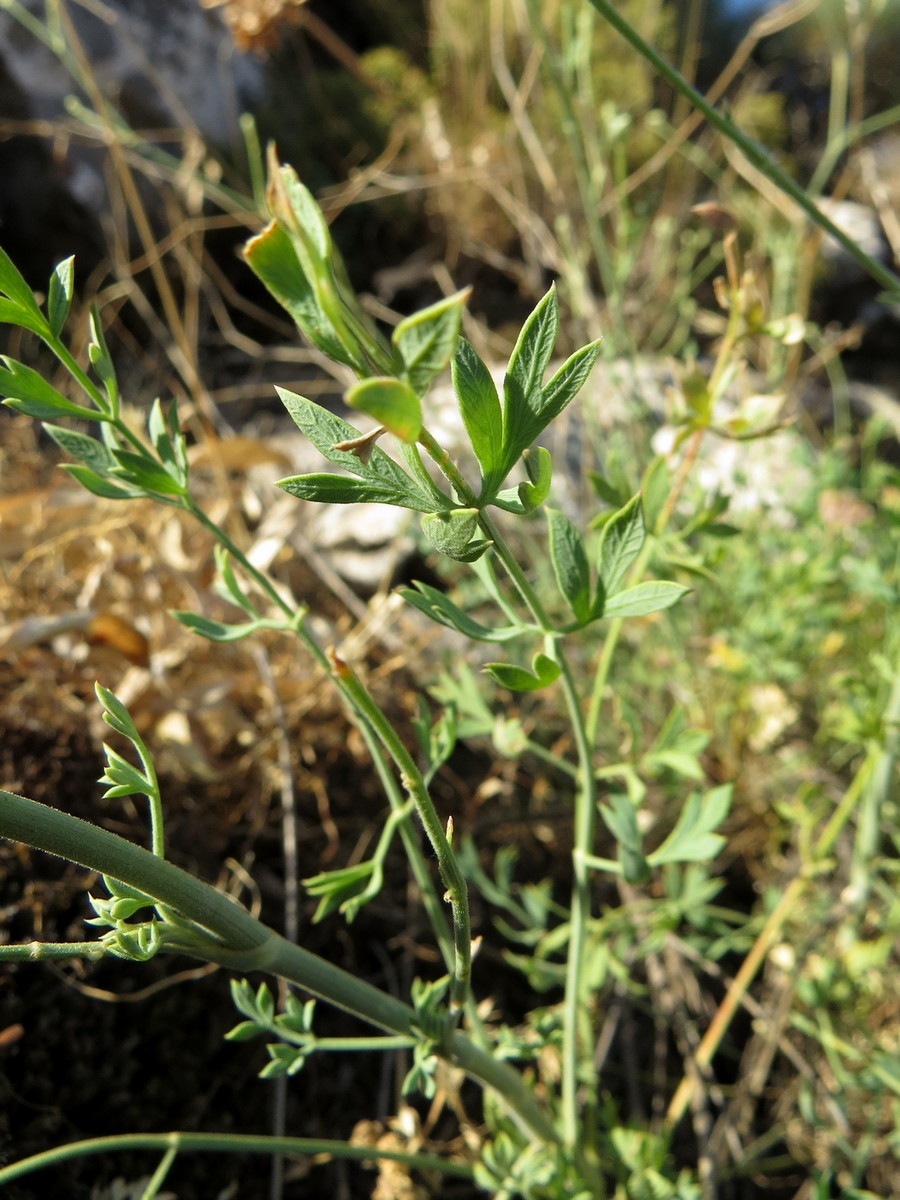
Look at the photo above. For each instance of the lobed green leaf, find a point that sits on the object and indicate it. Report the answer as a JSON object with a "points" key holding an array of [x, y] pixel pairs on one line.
{"points": [[426, 341], [340, 489], [86, 449], [479, 407], [644, 598], [12, 314], [620, 543], [28, 392], [215, 631], [142, 472], [439, 607], [13, 285], [273, 259], [692, 839], [570, 564], [621, 820], [115, 714], [327, 431], [544, 670], [562, 388], [390, 402], [523, 384], [99, 485], [59, 295]]}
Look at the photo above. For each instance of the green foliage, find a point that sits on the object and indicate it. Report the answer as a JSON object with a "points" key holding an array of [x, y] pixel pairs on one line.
{"points": [[552, 1131]]}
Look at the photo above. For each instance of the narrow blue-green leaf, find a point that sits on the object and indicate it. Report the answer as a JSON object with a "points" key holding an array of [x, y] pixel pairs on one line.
{"points": [[121, 774], [439, 607], [479, 407], [562, 388], [620, 543], [620, 819], [141, 472], [265, 1003], [159, 433], [59, 294], [339, 489], [101, 360], [326, 432], [570, 564], [336, 888], [13, 285], [644, 598], [426, 340], [390, 402], [523, 384], [244, 1031], [242, 997], [215, 631], [86, 449], [168, 440], [97, 484], [544, 670], [28, 392], [13, 314], [693, 839]]}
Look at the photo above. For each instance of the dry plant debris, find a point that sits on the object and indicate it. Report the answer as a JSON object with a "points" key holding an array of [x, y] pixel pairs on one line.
{"points": [[258, 24]]}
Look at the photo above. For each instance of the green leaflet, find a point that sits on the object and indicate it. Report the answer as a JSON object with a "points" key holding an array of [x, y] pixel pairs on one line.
{"points": [[390, 402], [544, 670], [426, 341], [479, 407], [570, 564], [387, 482]]}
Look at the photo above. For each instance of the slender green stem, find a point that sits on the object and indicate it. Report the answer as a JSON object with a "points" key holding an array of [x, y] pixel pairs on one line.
{"points": [[754, 152], [353, 1045], [44, 951], [418, 865], [158, 1177], [154, 799], [245, 944], [437, 452], [585, 821], [516, 574], [259, 578], [582, 845], [413, 782], [228, 1143], [601, 675], [363, 708]]}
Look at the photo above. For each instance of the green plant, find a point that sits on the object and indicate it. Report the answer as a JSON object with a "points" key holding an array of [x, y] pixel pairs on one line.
{"points": [[563, 1138], [151, 906]]}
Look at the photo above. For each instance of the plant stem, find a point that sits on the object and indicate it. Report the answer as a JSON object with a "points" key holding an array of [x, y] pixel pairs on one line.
{"points": [[413, 782], [363, 708], [228, 1143], [247, 945], [585, 823]]}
